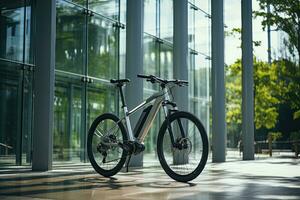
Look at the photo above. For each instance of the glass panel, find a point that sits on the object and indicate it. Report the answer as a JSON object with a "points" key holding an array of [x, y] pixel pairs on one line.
{"points": [[16, 93], [192, 74], [192, 106], [203, 5], [201, 79], [11, 30], [70, 38], [158, 60], [27, 117], [29, 51], [150, 13], [79, 2], [123, 9], [202, 36], [108, 8], [166, 20], [204, 117], [10, 115], [68, 133], [101, 98], [102, 51], [151, 65], [201, 89], [166, 61], [122, 53], [191, 28]]}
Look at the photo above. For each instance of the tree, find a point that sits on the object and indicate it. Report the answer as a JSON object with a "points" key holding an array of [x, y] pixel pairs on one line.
{"points": [[285, 16], [289, 75], [268, 89]]}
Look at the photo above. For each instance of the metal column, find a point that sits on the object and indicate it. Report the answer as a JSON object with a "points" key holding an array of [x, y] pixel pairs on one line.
{"points": [[269, 38], [134, 61], [180, 59], [218, 83], [180, 51], [247, 82], [44, 85]]}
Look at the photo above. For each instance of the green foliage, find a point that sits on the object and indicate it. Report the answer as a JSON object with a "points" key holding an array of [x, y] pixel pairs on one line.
{"points": [[297, 114], [285, 16], [289, 75], [295, 136], [236, 32], [234, 93], [71, 44], [266, 93], [274, 136], [274, 84]]}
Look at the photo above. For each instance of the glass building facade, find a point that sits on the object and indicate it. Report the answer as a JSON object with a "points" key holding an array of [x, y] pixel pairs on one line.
{"points": [[16, 75], [90, 50]]}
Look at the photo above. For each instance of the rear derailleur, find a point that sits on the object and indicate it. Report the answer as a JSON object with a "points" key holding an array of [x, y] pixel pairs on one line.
{"points": [[106, 144]]}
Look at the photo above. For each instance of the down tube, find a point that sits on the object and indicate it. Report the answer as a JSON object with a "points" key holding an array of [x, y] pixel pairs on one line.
{"points": [[150, 119]]}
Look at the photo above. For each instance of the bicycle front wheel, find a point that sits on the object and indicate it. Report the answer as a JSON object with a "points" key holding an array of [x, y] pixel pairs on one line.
{"points": [[105, 136], [185, 157]]}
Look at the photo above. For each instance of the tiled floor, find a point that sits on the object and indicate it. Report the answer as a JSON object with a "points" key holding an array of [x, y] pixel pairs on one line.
{"points": [[277, 178]]}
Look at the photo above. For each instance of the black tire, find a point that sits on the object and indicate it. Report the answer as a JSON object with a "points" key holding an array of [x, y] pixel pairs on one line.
{"points": [[197, 151], [95, 156]]}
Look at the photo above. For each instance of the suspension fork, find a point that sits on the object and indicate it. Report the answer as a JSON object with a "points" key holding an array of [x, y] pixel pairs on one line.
{"points": [[168, 112]]}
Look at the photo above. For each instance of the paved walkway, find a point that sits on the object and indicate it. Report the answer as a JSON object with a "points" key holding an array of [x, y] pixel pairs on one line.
{"points": [[277, 178]]}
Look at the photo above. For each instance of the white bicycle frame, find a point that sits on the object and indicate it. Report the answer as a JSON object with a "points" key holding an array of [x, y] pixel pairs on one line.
{"points": [[158, 99]]}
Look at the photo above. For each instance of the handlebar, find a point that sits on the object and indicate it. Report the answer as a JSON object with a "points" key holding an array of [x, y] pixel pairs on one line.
{"points": [[154, 79], [142, 76]]}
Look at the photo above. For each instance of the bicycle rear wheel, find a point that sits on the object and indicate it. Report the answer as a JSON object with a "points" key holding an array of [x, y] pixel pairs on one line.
{"points": [[103, 144], [186, 159]]}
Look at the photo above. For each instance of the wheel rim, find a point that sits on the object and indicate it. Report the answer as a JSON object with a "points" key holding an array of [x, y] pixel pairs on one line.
{"points": [[106, 135], [184, 159]]}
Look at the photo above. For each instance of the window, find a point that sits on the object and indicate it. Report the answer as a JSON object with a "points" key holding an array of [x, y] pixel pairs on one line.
{"points": [[16, 65], [88, 54]]}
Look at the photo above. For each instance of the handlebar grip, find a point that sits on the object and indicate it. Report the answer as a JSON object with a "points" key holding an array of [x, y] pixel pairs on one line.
{"points": [[143, 76], [183, 81]]}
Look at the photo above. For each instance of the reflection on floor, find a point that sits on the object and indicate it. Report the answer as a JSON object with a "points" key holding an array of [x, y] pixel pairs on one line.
{"points": [[261, 179]]}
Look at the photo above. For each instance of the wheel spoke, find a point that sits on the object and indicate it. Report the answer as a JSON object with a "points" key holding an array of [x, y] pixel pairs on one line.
{"points": [[106, 132], [184, 161], [103, 145], [98, 134]]}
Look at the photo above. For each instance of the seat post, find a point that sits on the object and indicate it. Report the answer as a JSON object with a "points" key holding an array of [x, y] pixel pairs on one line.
{"points": [[120, 85], [128, 125]]}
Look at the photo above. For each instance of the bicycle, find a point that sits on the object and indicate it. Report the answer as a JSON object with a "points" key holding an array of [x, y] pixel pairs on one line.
{"points": [[182, 143]]}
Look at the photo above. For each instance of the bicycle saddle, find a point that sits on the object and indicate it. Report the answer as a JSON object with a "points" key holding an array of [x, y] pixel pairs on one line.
{"points": [[119, 80]]}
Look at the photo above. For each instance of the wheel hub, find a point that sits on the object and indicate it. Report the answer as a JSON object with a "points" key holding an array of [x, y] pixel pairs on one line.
{"points": [[183, 143], [104, 145]]}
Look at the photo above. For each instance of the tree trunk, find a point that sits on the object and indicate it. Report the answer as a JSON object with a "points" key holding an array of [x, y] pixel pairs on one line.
{"points": [[270, 140]]}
